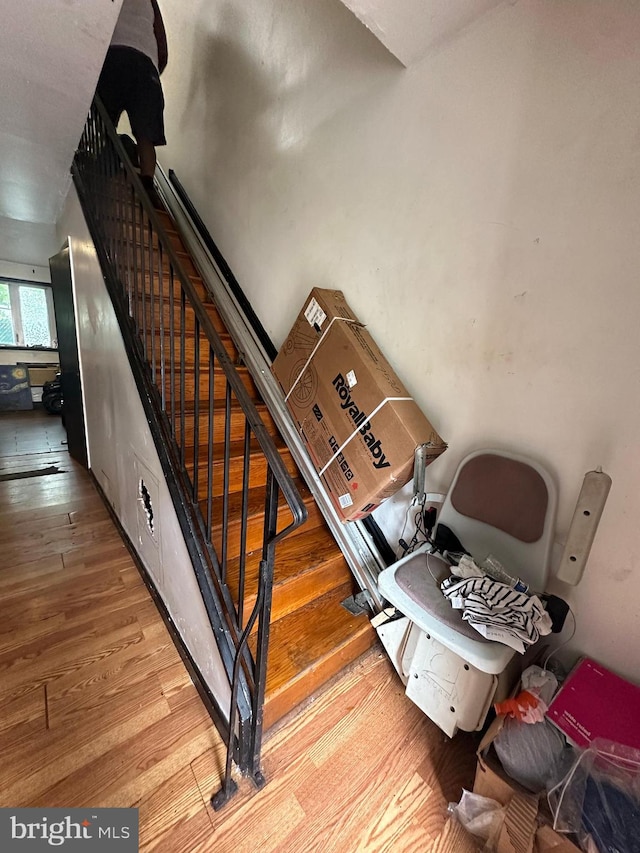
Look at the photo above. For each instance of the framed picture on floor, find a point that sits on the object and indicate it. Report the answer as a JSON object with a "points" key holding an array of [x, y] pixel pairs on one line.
{"points": [[15, 390]]}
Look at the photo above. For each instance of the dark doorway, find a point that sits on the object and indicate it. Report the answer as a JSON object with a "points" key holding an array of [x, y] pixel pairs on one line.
{"points": [[73, 409]]}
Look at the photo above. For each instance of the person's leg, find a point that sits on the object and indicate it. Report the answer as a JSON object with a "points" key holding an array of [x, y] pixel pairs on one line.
{"points": [[111, 86], [146, 156], [145, 111]]}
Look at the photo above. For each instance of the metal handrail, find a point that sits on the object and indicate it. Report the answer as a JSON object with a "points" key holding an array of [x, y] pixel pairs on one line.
{"points": [[118, 209], [358, 545]]}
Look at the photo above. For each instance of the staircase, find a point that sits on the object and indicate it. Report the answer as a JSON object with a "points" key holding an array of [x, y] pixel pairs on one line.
{"points": [[312, 636], [238, 494]]}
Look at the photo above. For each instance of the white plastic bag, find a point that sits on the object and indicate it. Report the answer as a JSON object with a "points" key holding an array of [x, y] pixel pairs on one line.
{"points": [[481, 816]]}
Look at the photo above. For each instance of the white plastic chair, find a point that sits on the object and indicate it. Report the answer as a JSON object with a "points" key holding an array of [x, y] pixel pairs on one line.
{"points": [[499, 503]]}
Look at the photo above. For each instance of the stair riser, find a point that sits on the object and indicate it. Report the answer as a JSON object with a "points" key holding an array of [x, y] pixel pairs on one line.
{"points": [[160, 311], [303, 589], [189, 349], [162, 287], [277, 706], [174, 239], [257, 474], [237, 426], [219, 385], [255, 530], [183, 259]]}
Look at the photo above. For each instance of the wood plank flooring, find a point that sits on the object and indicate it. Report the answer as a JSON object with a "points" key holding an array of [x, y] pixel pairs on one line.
{"points": [[96, 707]]}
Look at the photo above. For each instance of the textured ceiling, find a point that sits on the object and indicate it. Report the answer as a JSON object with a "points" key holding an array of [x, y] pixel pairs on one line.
{"points": [[50, 58], [409, 29]]}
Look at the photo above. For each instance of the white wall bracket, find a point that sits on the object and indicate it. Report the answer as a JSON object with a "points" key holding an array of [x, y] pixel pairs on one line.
{"points": [[584, 525]]}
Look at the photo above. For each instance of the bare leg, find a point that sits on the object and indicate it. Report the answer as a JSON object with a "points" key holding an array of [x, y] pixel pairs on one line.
{"points": [[147, 157]]}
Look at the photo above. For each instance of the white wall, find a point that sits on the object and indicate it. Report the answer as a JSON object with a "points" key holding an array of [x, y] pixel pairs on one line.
{"points": [[480, 210], [121, 452], [27, 243]]}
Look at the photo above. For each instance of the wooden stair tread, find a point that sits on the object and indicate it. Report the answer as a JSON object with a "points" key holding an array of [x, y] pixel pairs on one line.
{"points": [[255, 505], [236, 448], [219, 410], [254, 468], [307, 565], [310, 646], [236, 453]]}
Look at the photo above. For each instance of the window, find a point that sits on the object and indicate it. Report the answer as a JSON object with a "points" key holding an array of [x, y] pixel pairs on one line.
{"points": [[26, 315]]}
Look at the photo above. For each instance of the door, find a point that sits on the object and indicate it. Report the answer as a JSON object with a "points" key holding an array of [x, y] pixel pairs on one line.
{"points": [[73, 411]]}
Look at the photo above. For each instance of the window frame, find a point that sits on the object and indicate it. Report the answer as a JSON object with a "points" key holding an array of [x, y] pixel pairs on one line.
{"points": [[14, 285]]}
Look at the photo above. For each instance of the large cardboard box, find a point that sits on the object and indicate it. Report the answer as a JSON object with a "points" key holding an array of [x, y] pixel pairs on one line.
{"points": [[359, 423], [526, 828]]}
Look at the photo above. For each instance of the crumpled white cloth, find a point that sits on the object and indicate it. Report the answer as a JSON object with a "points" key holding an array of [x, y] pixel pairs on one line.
{"points": [[498, 612]]}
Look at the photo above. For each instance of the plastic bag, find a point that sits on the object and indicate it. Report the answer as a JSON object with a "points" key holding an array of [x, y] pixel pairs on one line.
{"points": [[530, 753], [598, 798], [480, 816], [537, 690]]}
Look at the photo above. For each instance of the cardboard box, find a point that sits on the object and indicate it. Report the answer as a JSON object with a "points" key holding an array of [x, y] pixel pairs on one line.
{"points": [[359, 423], [526, 826]]}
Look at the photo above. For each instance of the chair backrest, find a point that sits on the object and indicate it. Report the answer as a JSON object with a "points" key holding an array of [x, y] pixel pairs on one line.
{"points": [[503, 504]]}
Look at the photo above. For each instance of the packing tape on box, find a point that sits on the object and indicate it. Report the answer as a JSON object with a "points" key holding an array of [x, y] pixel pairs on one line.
{"points": [[314, 350], [359, 427]]}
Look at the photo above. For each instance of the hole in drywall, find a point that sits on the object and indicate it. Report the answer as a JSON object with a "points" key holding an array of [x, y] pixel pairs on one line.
{"points": [[145, 499], [573, 559], [586, 512]]}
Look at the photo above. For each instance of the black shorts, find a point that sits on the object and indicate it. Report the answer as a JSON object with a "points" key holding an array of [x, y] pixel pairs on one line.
{"points": [[129, 82]]}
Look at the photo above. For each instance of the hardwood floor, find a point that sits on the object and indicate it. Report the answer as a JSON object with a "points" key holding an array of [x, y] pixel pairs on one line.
{"points": [[96, 707]]}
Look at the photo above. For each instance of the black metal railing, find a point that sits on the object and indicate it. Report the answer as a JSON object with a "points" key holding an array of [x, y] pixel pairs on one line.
{"points": [[223, 470]]}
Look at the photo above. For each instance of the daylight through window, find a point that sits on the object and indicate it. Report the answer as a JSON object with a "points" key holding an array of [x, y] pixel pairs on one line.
{"points": [[26, 315]]}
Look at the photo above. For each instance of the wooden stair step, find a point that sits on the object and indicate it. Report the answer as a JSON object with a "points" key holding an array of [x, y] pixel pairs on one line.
{"points": [[132, 239], [238, 421], [255, 519], [310, 646], [257, 467], [165, 290], [307, 565], [189, 345], [156, 308], [189, 348], [133, 235], [219, 383]]}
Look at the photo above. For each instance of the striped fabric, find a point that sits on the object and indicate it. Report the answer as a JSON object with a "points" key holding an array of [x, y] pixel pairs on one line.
{"points": [[498, 612]]}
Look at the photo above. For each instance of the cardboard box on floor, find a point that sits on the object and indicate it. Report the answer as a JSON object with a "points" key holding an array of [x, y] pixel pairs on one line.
{"points": [[521, 832], [359, 423]]}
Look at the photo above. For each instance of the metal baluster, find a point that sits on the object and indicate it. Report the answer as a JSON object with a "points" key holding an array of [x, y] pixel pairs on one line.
{"points": [[183, 440], [264, 625], [133, 205], [196, 408], [152, 308], [246, 465], [143, 281], [211, 437], [225, 487], [163, 370], [172, 349]]}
